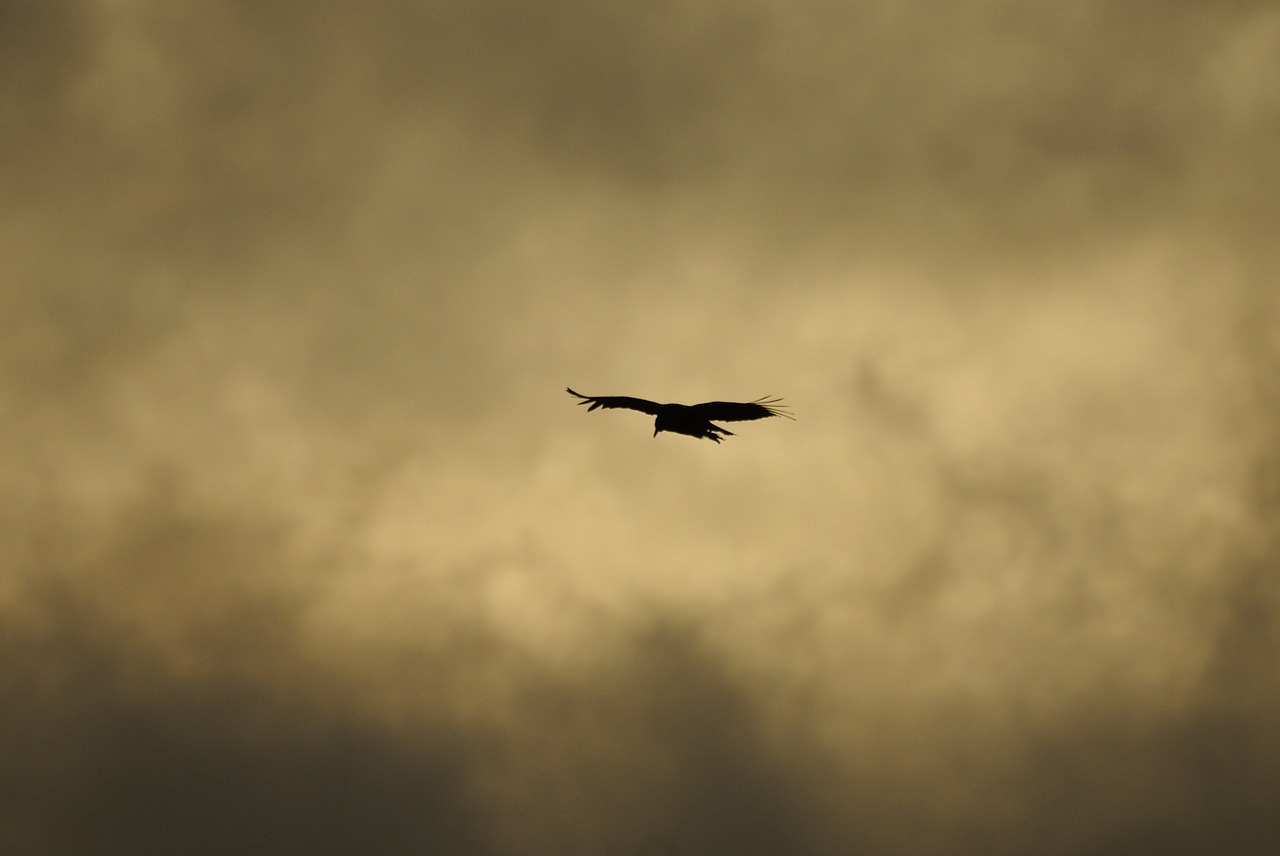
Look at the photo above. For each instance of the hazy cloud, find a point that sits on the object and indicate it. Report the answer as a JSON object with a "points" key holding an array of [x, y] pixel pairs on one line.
{"points": [[305, 548]]}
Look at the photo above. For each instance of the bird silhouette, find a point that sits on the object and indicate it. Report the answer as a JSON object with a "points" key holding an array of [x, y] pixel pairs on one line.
{"points": [[691, 419]]}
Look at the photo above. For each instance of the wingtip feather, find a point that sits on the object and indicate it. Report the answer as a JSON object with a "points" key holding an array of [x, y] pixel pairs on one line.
{"points": [[774, 405]]}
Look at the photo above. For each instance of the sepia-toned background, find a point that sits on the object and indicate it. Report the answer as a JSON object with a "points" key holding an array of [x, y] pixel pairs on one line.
{"points": [[304, 549]]}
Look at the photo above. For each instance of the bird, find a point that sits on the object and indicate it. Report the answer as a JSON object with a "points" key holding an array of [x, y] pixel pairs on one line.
{"points": [[693, 420]]}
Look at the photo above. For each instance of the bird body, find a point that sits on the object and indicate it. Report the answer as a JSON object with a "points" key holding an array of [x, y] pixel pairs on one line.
{"points": [[693, 420]]}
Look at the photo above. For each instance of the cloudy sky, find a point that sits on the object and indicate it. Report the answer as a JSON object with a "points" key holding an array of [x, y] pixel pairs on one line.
{"points": [[304, 549]]}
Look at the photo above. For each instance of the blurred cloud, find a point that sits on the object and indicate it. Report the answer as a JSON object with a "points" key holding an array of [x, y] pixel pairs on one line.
{"points": [[305, 549]]}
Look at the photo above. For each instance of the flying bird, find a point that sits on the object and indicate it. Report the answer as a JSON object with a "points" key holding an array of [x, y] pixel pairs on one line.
{"points": [[691, 419]]}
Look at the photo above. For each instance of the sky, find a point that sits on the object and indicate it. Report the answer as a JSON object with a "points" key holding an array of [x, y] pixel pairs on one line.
{"points": [[304, 548]]}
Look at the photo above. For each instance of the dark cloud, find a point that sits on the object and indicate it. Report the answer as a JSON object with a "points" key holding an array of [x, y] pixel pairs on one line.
{"points": [[1003, 124], [109, 752], [46, 49], [159, 696], [210, 131]]}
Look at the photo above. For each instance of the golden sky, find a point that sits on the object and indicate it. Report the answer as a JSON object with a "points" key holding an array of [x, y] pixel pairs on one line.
{"points": [[304, 548]]}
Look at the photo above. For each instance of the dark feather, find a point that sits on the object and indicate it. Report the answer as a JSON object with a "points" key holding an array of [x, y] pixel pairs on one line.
{"points": [[617, 401], [733, 411]]}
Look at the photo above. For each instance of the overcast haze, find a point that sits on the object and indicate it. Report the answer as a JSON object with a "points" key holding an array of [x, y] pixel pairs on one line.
{"points": [[304, 548]]}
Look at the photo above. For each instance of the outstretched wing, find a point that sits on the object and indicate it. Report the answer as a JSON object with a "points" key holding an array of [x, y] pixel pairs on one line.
{"points": [[734, 411], [623, 401]]}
